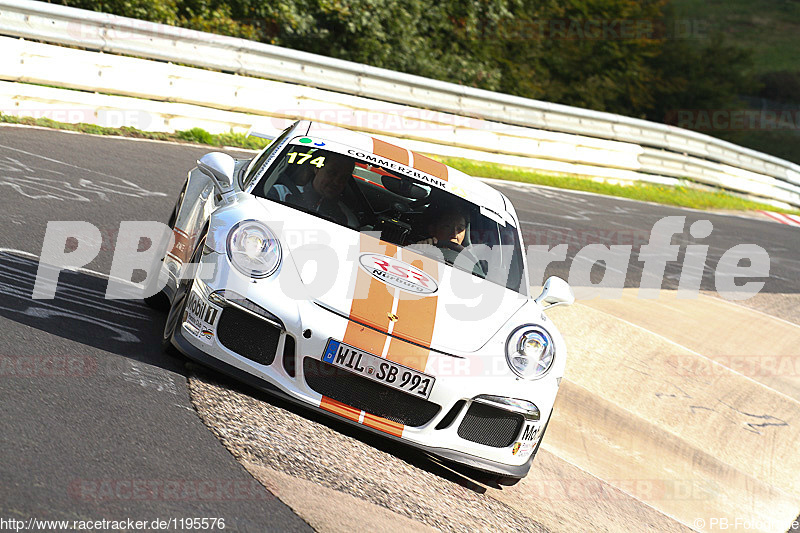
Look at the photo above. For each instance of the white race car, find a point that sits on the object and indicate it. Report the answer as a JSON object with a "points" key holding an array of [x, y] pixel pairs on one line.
{"points": [[374, 284]]}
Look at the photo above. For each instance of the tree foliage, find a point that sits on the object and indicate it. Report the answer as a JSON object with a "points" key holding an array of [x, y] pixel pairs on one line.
{"points": [[620, 56], [156, 11]]}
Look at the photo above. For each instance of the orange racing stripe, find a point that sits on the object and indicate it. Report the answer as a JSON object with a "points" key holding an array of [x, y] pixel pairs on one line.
{"points": [[409, 355], [390, 151], [416, 320], [429, 166], [338, 408], [372, 303], [364, 338], [382, 424], [351, 413]]}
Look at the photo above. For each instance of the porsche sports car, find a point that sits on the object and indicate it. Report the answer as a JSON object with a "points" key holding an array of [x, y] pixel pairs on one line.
{"points": [[371, 283]]}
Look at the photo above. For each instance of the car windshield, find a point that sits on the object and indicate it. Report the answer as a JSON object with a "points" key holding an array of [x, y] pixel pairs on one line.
{"points": [[367, 197]]}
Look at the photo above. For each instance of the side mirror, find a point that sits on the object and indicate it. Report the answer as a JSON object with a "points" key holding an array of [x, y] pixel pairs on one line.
{"points": [[556, 291], [219, 167]]}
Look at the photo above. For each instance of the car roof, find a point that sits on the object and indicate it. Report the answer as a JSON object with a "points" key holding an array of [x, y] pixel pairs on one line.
{"points": [[416, 165]]}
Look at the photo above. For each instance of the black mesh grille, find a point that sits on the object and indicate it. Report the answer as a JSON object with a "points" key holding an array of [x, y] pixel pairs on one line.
{"points": [[490, 426], [367, 395], [248, 335], [288, 355]]}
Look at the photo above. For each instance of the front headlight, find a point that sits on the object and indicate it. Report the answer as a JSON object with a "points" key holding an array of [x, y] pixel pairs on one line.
{"points": [[253, 249], [530, 352]]}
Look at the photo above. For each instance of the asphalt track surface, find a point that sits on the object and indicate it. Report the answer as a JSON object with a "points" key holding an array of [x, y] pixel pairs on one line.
{"points": [[97, 421], [553, 217]]}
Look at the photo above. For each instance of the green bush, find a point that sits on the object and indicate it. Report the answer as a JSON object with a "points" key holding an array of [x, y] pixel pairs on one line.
{"points": [[197, 135]]}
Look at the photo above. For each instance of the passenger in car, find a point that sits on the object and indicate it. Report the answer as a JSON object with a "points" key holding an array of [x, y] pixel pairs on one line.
{"points": [[449, 230]]}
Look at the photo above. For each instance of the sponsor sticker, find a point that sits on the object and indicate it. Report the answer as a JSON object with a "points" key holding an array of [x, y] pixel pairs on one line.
{"points": [[529, 438], [201, 318], [529, 433], [183, 246], [398, 274], [522, 448], [526, 448], [306, 140]]}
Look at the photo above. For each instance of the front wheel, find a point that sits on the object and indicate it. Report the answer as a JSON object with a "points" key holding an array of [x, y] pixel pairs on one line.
{"points": [[175, 318], [158, 301]]}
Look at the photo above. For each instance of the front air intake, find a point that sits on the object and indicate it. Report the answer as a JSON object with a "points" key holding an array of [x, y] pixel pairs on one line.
{"points": [[289, 357], [490, 426], [248, 335]]}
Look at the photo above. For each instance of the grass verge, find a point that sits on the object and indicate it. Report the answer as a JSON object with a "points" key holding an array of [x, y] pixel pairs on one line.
{"points": [[682, 196], [194, 135]]}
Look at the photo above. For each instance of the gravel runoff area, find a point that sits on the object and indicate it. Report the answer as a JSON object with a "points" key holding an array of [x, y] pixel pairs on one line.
{"points": [[307, 449]]}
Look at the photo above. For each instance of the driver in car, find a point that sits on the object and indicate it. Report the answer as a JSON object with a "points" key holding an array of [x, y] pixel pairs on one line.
{"points": [[450, 224], [322, 191]]}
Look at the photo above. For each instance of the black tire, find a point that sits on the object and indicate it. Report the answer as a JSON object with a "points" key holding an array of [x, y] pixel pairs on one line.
{"points": [[158, 301], [178, 305], [174, 317]]}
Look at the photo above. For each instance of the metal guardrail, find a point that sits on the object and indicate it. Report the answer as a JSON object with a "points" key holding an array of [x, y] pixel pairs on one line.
{"points": [[668, 151]]}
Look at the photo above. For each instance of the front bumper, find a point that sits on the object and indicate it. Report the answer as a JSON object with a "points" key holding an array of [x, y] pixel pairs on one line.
{"points": [[456, 424], [247, 378]]}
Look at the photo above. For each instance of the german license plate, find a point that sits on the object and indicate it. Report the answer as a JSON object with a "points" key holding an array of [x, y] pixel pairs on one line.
{"points": [[378, 369]]}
